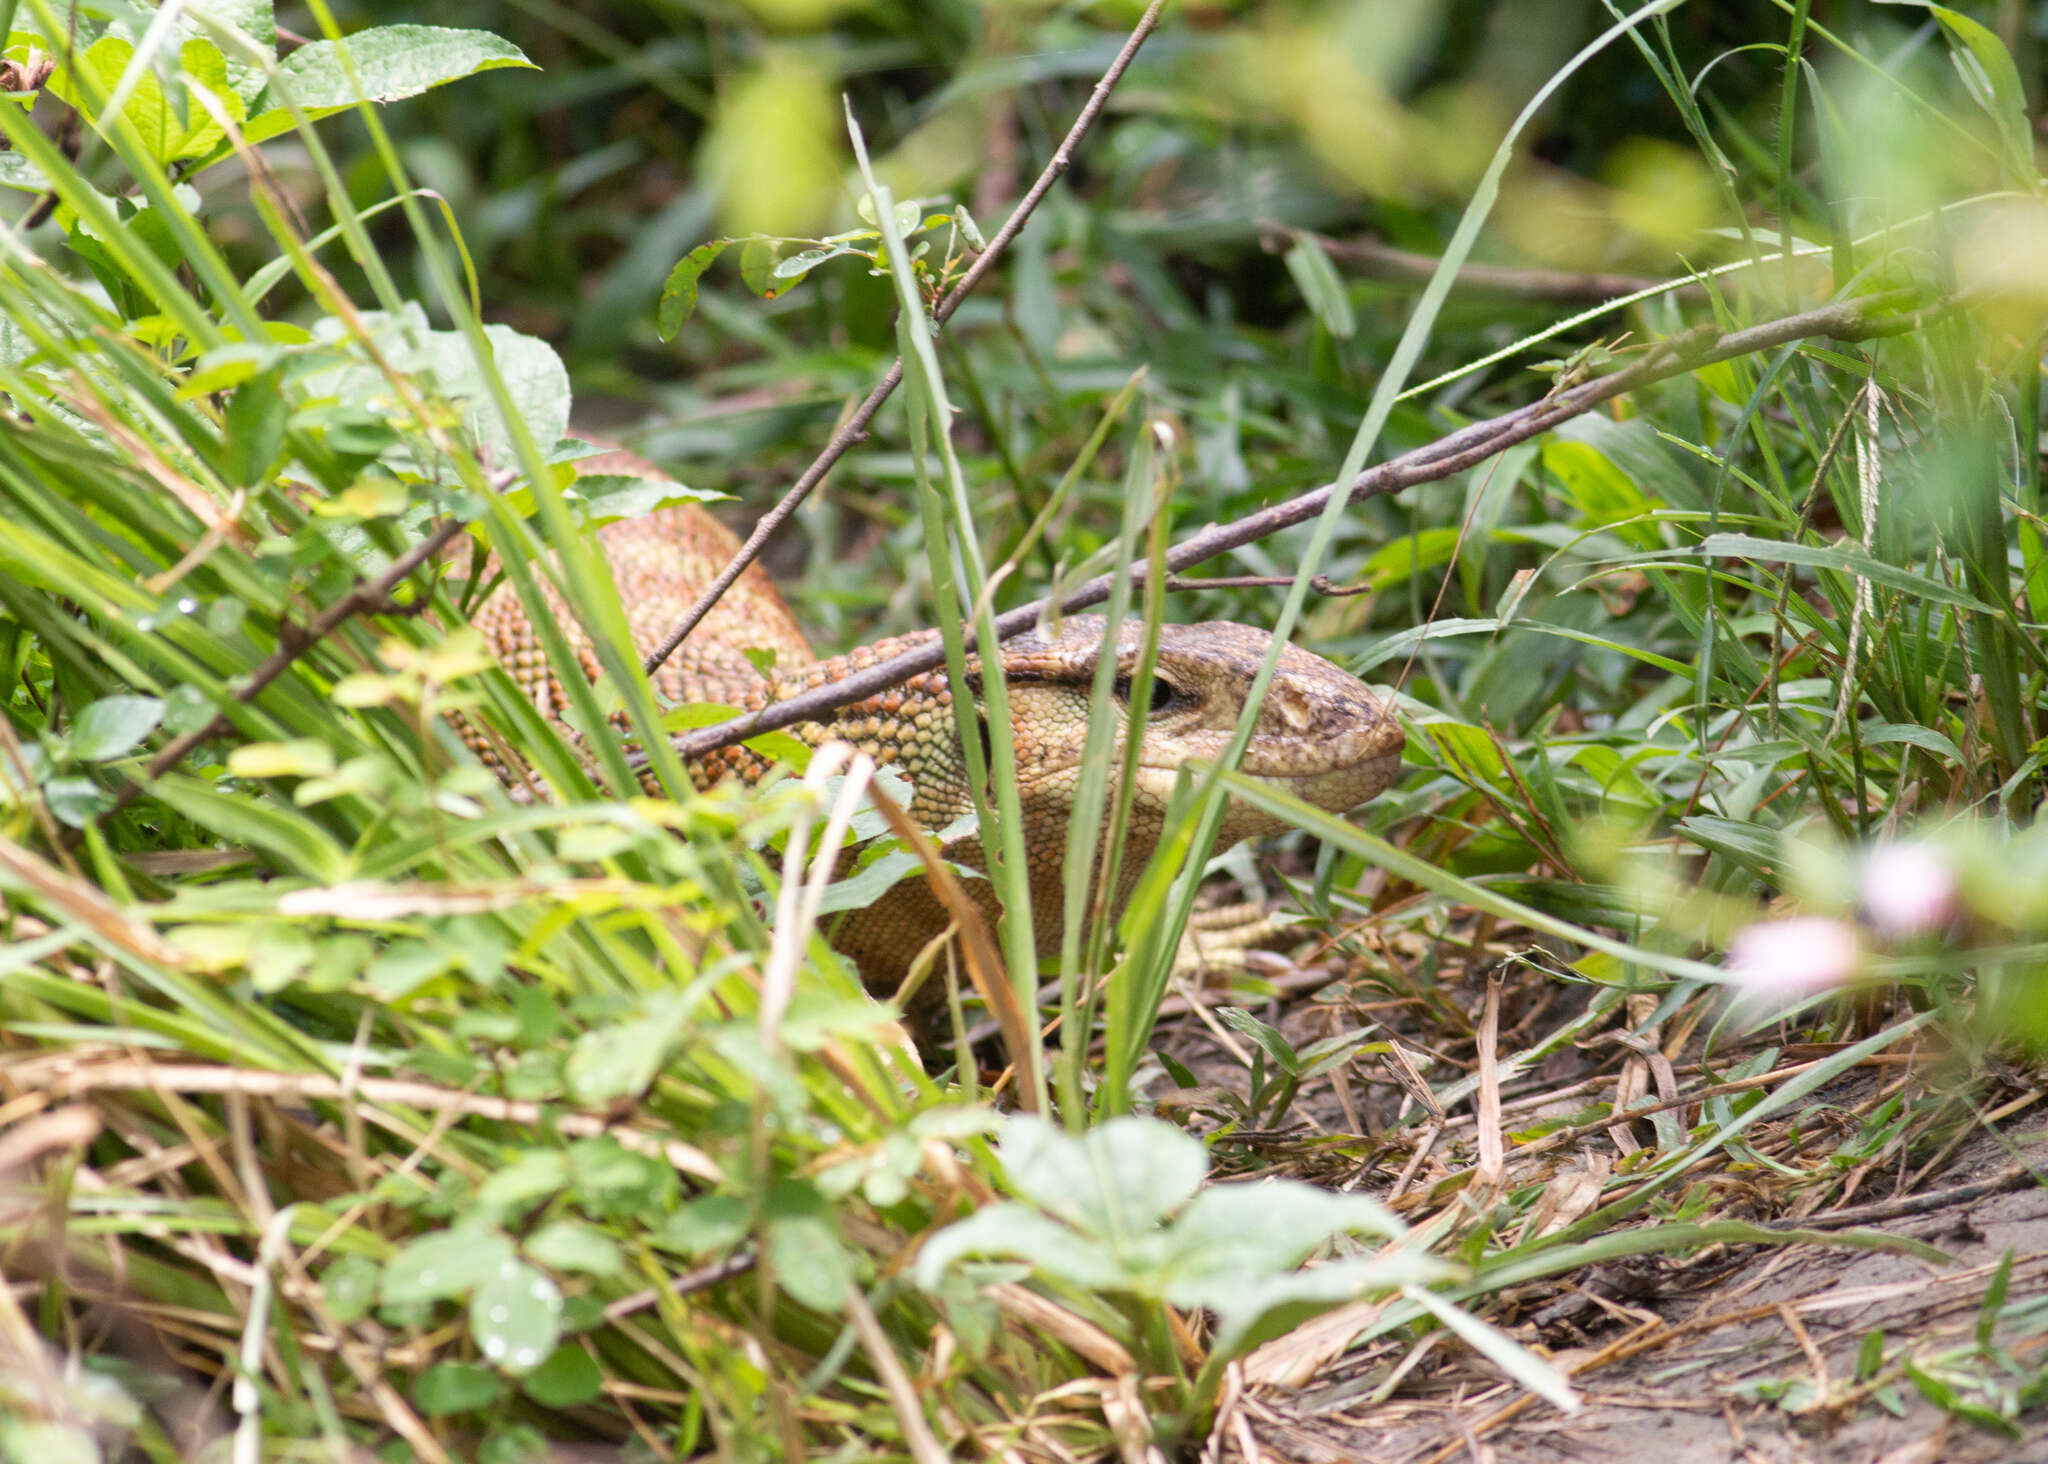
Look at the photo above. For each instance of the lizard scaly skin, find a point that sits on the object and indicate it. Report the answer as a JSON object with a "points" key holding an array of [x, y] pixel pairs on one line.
{"points": [[1321, 734]]}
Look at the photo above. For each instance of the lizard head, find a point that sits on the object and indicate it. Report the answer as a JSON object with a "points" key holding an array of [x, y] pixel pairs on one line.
{"points": [[1322, 734]]}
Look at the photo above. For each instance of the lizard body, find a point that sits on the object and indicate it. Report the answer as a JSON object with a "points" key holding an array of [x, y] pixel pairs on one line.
{"points": [[1321, 734]]}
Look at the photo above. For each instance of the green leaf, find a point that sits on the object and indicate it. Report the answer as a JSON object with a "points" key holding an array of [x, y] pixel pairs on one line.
{"points": [[1870, 1355], [448, 1263], [1993, 82], [1913, 735], [516, 1318], [1751, 847], [758, 261], [1994, 1299], [609, 497], [257, 416], [388, 62], [302, 757], [571, 1245], [75, 801], [1265, 1035], [611, 1181], [113, 726], [455, 1387], [621, 1060], [804, 1251], [1842, 558], [1321, 287], [292, 838], [679, 291], [569, 1378], [171, 124], [254, 19], [525, 1182], [1118, 1179], [1013, 1230], [350, 1287], [1524, 1366], [702, 1227]]}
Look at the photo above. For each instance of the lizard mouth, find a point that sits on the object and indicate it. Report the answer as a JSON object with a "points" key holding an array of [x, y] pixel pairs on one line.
{"points": [[1336, 773]]}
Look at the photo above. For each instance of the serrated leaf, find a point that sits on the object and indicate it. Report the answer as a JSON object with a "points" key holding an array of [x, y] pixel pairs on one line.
{"points": [[387, 62], [171, 124]]}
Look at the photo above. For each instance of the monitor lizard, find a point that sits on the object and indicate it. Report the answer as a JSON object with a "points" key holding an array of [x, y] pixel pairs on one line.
{"points": [[1322, 734]]}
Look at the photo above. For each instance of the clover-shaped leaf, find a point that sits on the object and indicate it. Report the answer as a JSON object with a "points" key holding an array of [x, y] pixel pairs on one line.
{"points": [[1116, 1181], [1122, 1209]]}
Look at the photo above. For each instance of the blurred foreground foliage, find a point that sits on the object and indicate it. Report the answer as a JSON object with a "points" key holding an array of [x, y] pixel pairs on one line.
{"points": [[447, 1122]]}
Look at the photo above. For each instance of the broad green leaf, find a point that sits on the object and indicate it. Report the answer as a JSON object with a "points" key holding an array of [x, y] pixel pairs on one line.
{"points": [[253, 19], [621, 1060], [571, 1245], [568, 1379], [609, 497], [455, 1387], [350, 1287], [1913, 735], [113, 726], [516, 1318], [447, 1263], [1116, 1180], [171, 124], [526, 1181], [387, 63]]}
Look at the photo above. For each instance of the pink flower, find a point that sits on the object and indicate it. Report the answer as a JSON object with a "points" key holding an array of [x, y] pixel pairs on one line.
{"points": [[1908, 889], [1776, 958]]}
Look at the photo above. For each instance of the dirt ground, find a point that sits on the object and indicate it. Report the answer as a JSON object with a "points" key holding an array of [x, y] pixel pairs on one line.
{"points": [[1692, 1396], [1743, 1353]]}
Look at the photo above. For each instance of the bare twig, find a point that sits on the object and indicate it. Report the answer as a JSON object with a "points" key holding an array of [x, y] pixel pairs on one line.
{"points": [[293, 641], [1322, 584], [1453, 453], [1563, 286], [283, 1087], [855, 428]]}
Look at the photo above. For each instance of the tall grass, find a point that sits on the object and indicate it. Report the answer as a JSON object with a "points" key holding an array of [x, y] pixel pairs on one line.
{"points": [[425, 1111]]}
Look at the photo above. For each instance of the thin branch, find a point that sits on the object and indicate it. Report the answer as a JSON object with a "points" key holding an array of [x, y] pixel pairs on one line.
{"points": [[855, 428], [185, 1079], [1468, 446], [1384, 261], [293, 641], [1322, 584]]}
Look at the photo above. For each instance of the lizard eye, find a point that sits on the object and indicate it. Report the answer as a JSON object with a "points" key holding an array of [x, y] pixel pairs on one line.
{"points": [[1163, 693]]}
